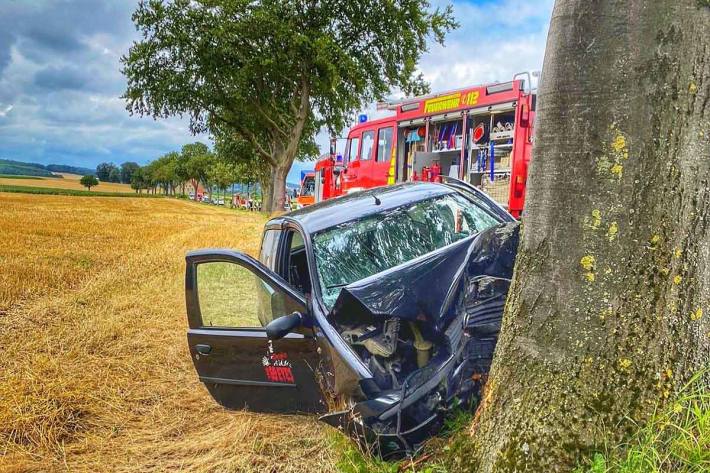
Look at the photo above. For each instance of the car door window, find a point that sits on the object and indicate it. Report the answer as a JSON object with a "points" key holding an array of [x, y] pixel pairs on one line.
{"points": [[368, 142], [269, 244], [298, 275], [230, 296], [384, 144]]}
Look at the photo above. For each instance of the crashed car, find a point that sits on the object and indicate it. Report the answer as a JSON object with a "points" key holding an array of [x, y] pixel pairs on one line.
{"points": [[379, 311]]}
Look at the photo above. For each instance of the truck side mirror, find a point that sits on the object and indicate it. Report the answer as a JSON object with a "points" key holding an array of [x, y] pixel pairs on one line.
{"points": [[279, 328]]}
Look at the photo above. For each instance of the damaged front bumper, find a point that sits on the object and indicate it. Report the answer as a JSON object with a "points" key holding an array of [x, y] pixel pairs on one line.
{"points": [[456, 298]]}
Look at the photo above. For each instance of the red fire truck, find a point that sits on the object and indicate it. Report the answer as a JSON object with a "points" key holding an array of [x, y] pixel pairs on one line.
{"points": [[306, 192], [482, 135]]}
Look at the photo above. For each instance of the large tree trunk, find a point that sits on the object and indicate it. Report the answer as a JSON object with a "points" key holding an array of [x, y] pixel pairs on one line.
{"points": [[608, 314], [267, 194], [284, 148], [195, 185], [279, 174]]}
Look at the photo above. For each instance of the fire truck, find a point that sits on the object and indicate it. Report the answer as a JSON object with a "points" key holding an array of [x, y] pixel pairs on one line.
{"points": [[305, 194], [482, 135]]}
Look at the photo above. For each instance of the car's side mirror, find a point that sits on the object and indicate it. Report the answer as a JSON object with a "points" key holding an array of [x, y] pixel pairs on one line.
{"points": [[279, 328]]}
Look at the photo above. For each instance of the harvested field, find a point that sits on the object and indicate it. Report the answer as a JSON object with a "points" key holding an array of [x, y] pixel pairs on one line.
{"points": [[95, 372]]}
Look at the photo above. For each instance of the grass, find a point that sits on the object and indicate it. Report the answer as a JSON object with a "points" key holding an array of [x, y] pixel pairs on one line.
{"points": [[430, 460], [676, 439], [96, 374], [70, 182]]}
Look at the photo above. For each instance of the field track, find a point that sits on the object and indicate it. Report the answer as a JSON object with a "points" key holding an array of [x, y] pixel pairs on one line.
{"points": [[95, 374]]}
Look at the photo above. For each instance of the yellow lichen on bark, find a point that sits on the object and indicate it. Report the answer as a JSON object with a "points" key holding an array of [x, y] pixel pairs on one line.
{"points": [[697, 315], [613, 231], [624, 364], [617, 169], [587, 262]]}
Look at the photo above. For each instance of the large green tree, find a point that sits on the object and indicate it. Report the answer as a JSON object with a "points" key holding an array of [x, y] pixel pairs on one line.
{"points": [[221, 175], [273, 72], [104, 170], [127, 170], [89, 181], [164, 171], [607, 316]]}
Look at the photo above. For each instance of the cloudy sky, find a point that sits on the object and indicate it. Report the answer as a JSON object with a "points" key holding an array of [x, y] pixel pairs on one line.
{"points": [[60, 78]]}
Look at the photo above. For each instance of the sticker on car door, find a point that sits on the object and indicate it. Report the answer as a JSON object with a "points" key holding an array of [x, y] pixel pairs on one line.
{"points": [[276, 366]]}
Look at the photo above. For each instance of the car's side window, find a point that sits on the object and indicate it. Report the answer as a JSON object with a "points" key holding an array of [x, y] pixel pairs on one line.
{"points": [[233, 296]]}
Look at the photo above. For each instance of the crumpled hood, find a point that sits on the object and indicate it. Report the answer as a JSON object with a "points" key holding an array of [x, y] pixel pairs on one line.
{"points": [[430, 287]]}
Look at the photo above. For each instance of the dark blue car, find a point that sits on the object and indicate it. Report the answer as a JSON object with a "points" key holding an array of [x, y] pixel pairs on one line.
{"points": [[378, 311]]}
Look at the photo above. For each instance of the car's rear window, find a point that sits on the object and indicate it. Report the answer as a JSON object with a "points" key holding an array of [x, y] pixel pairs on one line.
{"points": [[355, 250]]}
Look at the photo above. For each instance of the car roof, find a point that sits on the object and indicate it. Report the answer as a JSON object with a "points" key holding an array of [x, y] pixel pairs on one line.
{"points": [[357, 205]]}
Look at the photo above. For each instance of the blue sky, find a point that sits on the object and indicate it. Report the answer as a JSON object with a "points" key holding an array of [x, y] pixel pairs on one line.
{"points": [[60, 78]]}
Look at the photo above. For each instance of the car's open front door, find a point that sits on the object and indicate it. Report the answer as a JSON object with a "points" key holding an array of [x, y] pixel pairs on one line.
{"points": [[231, 298]]}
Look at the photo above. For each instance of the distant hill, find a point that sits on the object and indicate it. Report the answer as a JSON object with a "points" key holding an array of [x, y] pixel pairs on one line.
{"points": [[19, 168], [70, 169]]}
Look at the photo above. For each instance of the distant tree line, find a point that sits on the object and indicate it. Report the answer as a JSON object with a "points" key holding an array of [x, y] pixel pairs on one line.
{"points": [[193, 166], [109, 172]]}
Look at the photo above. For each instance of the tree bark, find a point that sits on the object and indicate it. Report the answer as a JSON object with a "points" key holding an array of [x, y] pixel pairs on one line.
{"points": [[195, 185], [279, 186], [284, 147], [267, 194], [608, 314]]}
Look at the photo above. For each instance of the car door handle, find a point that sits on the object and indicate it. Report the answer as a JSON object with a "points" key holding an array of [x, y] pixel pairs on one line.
{"points": [[203, 349]]}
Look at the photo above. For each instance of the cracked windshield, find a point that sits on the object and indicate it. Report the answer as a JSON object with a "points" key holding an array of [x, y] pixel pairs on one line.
{"points": [[355, 250]]}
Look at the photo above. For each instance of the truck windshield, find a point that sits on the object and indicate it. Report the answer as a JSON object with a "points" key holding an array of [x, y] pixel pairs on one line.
{"points": [[355, 250], [309, 186]]}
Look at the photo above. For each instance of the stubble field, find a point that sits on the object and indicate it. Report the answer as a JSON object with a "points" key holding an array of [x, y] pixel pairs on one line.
{"points": [[95, 373]]}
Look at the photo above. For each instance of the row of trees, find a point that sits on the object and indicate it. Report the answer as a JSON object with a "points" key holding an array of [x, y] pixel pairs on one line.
{"points": [[196, 164], [109, 172]]}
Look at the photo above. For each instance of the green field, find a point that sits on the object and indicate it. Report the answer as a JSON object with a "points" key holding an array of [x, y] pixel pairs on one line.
{"points": [[13, 176], [74, 192]]}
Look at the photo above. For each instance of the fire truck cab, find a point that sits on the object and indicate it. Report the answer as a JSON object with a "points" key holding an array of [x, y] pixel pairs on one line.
{"points": [[482, 135], [305, 195]]}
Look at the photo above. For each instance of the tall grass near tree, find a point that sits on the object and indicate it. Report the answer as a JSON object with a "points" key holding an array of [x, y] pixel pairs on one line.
{"points": [[676, 439]]}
